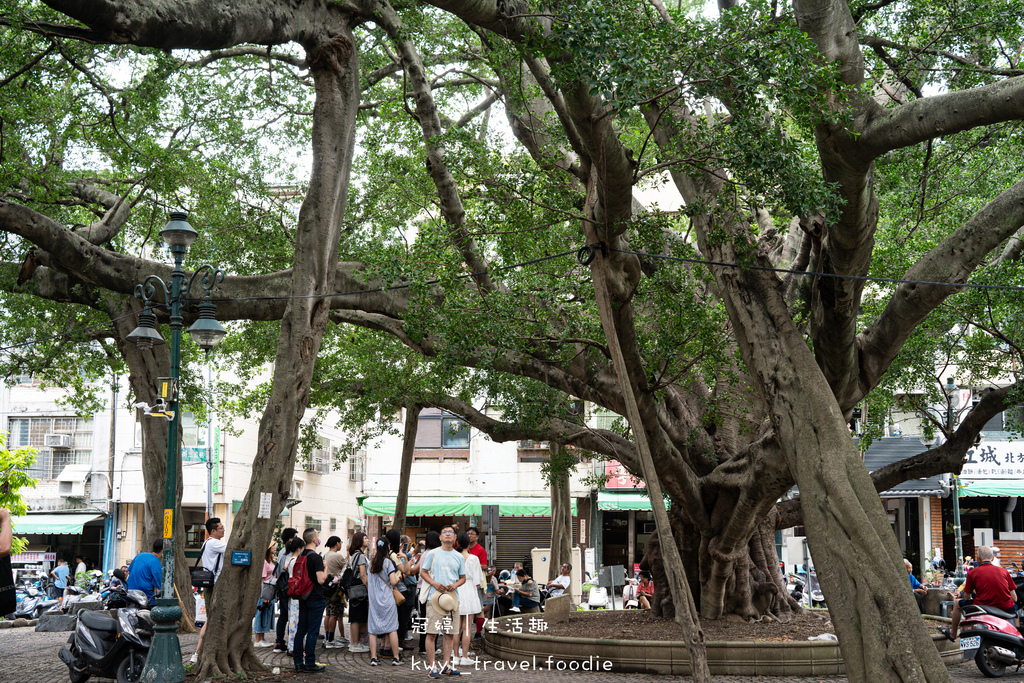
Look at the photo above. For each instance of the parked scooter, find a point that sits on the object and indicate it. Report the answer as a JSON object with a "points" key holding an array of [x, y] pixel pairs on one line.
{"points": [[33, 604], [108, 647], [72, 595], [990, 636], [817, 598], [795, 586]]}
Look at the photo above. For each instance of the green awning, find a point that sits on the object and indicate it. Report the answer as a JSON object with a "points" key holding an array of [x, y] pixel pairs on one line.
{"points": [[614, 500], [52, 523], [423, 506], [992, 487]]}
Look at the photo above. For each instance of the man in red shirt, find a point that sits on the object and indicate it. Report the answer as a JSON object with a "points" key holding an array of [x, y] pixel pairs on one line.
{"points": [[481, 554], [475, 547], [989, 585]]}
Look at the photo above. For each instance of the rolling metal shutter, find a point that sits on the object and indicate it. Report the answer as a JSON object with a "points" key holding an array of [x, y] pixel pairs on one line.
{"points": [[519, 536]]}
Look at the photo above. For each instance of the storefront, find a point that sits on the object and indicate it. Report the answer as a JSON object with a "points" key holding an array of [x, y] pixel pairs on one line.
{"points": [[523, 523], [53, 535], [624, 520]]}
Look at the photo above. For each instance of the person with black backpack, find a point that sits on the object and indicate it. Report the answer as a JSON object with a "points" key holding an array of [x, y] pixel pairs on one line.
{"points": [[281, 572], [355, 590], [306, 584]]}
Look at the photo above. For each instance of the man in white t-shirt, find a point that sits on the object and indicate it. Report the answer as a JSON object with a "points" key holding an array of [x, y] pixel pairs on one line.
{"points": [[213, 559], [561, 583]]}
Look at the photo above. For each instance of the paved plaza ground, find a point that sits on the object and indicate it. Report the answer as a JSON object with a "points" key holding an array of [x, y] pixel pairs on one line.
{"points": [[30, 657]]}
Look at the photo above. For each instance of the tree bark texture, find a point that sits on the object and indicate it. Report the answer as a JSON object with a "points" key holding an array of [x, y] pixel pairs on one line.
{"points": [[227, 648], [412, 423], [847, 528], [561, 516], [611, 318]]}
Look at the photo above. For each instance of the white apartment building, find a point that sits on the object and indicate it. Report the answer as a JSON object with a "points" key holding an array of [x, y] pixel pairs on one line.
{"points": [[89, 492]]}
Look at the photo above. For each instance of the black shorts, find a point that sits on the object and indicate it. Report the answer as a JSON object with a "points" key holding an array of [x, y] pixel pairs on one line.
{"points": [[359, 613], [964, 602]]}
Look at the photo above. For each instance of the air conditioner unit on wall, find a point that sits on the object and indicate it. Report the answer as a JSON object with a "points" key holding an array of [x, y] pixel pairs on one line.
{"points": [[71, 489], [57, 440]]}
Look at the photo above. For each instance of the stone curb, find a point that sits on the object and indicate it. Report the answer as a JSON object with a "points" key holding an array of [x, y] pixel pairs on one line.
{"points": [[788, 658]]}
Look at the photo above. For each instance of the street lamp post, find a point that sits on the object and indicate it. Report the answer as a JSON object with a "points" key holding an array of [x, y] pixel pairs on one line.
{"points": [[949, 389], [164, 660]]}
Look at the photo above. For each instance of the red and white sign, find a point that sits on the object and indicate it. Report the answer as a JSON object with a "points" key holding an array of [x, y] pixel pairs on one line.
{"points": [[616, 477], [34, 557], [994, 460]]}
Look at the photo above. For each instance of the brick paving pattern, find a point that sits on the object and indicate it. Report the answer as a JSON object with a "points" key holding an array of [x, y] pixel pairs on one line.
{"points": [[30, 657]]}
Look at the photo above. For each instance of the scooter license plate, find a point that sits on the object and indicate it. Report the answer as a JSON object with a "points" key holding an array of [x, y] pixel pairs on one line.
{"points": [[970, 643]]}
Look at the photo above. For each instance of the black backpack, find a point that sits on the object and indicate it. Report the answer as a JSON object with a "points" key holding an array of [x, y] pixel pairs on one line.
{"points": [[282, 585]]}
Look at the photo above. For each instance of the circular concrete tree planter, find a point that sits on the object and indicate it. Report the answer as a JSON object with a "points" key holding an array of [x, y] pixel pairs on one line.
{"points": [[795, 658]]}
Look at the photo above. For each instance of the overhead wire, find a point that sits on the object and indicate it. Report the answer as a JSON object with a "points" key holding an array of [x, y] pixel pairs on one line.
{"points": [[584, 255]]}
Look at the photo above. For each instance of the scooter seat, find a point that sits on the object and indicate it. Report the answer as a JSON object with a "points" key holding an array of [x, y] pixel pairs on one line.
{"points": [[98, 622], [996, 612]]}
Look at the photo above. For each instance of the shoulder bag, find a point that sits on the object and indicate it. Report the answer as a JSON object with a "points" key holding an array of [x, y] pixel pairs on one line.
{"points": [[399, 598], [203, 578], [356, 591]]}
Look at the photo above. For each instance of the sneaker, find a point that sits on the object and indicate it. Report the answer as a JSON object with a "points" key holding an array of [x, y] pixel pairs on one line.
{"points": [[313, 668], [434, 673], [262, 643], [397, 662], [450, 671], [373, 661], [278, 650], [330, 645], [358, 648], [513, 609], [343, 640]]}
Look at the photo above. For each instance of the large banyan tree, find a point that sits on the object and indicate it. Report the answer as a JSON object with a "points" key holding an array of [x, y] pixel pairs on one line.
{"points": [[471, 195]]}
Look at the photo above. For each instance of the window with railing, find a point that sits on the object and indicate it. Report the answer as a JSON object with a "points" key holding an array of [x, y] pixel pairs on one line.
{"points": [[606, 419], [533, 451], [61, 441], [357, 466], [320, 459]]}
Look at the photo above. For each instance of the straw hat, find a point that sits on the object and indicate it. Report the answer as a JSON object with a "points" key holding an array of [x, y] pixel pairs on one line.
{"points": [[444, 602]]}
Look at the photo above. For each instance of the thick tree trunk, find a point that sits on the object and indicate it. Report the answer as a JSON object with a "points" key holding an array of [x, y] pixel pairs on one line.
{"points": [[686, 611], [144, 369], [561, 516], [880, 632], [412, 424], [227, 648]]}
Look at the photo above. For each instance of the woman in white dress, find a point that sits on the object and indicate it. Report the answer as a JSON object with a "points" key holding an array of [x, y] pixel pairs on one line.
{"points": [[469, 599]]}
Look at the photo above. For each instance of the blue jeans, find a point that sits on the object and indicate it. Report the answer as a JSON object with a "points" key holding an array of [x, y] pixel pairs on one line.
{"points": [[311, 611]]}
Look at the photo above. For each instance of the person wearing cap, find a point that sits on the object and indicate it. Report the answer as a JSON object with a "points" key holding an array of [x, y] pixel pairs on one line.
{"points": [[443, 571]]}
